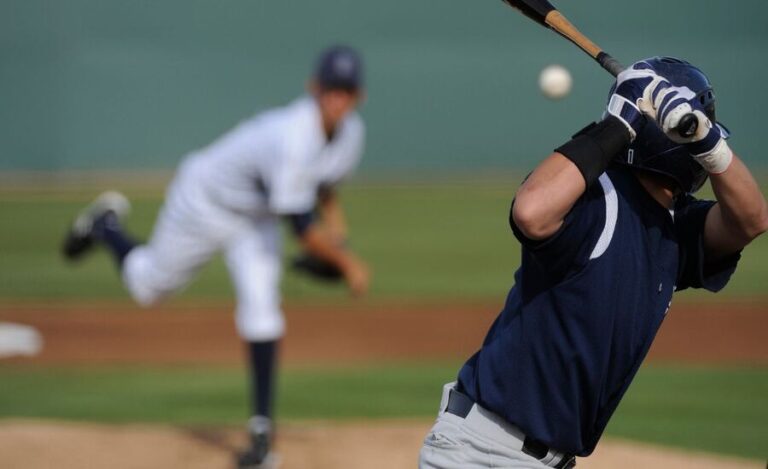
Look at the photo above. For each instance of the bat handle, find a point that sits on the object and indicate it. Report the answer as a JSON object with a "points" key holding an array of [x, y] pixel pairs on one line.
{"points": [[612, 65], [688, 124]]}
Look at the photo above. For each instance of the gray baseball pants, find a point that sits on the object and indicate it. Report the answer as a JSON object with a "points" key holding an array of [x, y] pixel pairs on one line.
{"points": [[480, 440]]}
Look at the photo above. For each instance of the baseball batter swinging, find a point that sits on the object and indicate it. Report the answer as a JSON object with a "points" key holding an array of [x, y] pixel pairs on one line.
{"points": [[609, 230], [229, 197]]}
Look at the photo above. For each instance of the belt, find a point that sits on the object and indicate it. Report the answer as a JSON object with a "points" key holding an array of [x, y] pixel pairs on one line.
{"points": [[460, 405]]}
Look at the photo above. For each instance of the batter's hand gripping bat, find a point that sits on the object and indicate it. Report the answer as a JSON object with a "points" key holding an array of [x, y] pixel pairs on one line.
{"points": [[544, 13]]}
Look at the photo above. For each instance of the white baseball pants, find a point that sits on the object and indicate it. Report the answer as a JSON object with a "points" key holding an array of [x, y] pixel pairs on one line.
{"points": [[189, 231]]}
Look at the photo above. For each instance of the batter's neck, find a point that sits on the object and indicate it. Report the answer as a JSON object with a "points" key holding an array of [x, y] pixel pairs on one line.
{"points": [[658, 188]]}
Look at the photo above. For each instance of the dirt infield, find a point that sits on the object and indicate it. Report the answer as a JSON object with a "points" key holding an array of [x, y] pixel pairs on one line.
{"points": [[361, 332], [318, 445], [113, 333]]}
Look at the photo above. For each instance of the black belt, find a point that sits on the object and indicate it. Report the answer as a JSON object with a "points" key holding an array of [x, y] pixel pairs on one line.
{"points": [[460, 404]]}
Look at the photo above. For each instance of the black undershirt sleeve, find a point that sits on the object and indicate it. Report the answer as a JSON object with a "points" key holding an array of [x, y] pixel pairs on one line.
{"points": [[593, 148], [300, 222]]}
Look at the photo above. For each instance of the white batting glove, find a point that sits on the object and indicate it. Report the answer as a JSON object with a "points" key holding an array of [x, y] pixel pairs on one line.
{"points": [[628, 100], [668, 104], [708, 146]]}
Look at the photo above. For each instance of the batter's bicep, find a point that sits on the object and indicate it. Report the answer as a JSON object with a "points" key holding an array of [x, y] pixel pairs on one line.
{"points": [[720, 239], [546, 196], [696, 222], [568, 248]]}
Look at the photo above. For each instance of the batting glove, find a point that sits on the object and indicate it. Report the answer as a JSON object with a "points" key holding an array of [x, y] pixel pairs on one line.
{"points": [[668, 104], [627, 102]]}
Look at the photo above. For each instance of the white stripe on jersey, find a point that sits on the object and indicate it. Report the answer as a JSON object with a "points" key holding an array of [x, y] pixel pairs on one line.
{"points": [[611, 215]]}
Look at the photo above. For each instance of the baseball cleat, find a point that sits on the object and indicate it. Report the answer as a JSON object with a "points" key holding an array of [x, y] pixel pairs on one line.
{"points": [[80, 237], [259, 455]]}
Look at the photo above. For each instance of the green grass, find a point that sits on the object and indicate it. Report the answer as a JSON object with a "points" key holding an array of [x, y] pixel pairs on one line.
{"points": [[441, 242], [424, 241], [216, 395], [711, 409]]}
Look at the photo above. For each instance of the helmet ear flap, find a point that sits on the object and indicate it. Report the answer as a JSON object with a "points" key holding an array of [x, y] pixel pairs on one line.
{"points": [[707, 100], [676, 164], [709, 111]]}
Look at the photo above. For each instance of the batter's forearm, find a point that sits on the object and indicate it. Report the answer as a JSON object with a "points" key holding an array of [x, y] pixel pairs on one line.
{"points": [[741, 213]]}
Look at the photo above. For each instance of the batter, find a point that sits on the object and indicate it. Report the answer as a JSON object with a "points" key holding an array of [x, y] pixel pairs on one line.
{"points": [[609, 230]]}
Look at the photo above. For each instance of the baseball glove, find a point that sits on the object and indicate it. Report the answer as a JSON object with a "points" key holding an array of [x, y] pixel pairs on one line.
{"points": [[316, 268]]}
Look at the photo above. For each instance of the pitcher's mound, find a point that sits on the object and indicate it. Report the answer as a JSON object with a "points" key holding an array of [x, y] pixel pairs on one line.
{"points": [[313, 445]]}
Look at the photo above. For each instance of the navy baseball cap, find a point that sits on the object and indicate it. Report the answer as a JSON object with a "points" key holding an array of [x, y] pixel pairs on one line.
{"points": [[340, 67]]}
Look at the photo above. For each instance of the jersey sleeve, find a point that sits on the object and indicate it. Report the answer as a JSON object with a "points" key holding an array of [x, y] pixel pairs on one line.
{"points": [[695, 270], [570, 247], [291, 186], [348, 152]]}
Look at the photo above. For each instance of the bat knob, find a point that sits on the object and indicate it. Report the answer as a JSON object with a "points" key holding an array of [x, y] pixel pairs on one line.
{"points": [[688, 126]]}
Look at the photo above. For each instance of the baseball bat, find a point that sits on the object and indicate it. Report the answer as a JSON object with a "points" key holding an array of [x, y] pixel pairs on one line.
{"points": [[544, 13]]}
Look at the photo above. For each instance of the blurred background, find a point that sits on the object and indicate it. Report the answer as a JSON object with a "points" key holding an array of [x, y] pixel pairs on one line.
{"points": [[452, 85], [112, 94]]}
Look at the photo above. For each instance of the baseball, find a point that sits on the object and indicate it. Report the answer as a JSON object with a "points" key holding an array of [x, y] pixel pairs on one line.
{"points": [[555, 81]]}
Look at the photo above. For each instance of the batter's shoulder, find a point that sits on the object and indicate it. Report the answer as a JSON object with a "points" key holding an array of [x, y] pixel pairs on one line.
{"points": [[685, 201]]}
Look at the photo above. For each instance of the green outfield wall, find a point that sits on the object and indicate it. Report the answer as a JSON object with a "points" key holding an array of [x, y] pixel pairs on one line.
{"points": [[130, 84]]}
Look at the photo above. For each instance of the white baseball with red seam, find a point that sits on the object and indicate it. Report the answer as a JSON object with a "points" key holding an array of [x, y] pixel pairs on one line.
{"points": [[555, 81]]}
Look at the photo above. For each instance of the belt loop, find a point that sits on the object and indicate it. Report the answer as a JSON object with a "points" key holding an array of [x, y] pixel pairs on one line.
{"points": [[447, 388]]}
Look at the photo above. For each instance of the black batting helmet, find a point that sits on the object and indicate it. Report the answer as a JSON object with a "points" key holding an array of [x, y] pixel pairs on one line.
{"points": [[340, 67]]}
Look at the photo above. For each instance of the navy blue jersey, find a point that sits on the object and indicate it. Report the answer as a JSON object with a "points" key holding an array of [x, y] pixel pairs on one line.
{"points": [[586, 305]]}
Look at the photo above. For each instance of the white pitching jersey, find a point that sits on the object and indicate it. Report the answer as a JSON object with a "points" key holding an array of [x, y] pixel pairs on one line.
{"points": [[228, 197], [274, 163]]}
